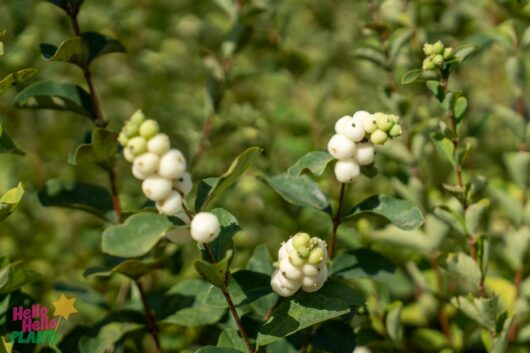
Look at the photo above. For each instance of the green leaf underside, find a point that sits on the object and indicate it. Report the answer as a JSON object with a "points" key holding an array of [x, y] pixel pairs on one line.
{"points": [[81, 196], [217, 273], [211, 188], [10, 200], [362, 263], [15, 78], [14, 276], [102, 150], [300, 191], [245, 287], [313, 162], [7, 145], [108, 335], [137, 236], [307, 309], [56, 96], [401, 213]]}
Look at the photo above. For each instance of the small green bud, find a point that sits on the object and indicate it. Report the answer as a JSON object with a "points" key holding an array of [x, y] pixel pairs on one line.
{"points": [[428, 49], [316, 256], [378, 137], [448, 53], [395, 131], [149, 128], [130, 130], [137, 146], [301, 240], [395, 118], [122, 139], [137, 118], [303, 252], [428, 64], [438, 47], [384, 122], [438, 60]]}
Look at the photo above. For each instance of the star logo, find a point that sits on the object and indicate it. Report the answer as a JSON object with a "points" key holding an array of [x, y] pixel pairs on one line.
{"points": [[64, 307]]}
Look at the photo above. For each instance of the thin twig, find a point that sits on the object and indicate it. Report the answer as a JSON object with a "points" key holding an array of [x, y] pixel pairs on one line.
{"points": [[115, 197], [337, 221], [231, 306], [152, 326]]}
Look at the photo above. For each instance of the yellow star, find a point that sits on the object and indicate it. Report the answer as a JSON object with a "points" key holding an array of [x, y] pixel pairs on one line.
{"points": [[64, 307]]}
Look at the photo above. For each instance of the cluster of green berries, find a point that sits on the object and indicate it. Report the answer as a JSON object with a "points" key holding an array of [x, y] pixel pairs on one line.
{"points": [[165, 180], [301, 264], [436, 54], [354, 140]]}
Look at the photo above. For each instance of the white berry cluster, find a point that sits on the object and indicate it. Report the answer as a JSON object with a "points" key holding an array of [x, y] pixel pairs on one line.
{"points": [[301, 264], [436, 55], [162, 169], [164, 175], [354, 140]]}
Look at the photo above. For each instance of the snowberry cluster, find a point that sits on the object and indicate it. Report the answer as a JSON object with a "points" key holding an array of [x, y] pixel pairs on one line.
{"points": [[301, 263], [163, 171], [353, 143], [436, 55]]}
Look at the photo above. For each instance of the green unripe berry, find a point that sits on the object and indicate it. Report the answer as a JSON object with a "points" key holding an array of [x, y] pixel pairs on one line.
{"points": [[448, 53], [137, 145], [137, 118], [130, 130], [395, 118], [428, 64], [122, 139], [384, 122], [149, 128], [296, 260], [428, 49], [395, 131], [378, 137], [438, 47], [438, 60], [316, 256], [303, 252], [301, 240]]}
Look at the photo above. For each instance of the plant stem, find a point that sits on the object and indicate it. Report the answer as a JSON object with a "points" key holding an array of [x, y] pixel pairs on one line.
{"points": [[512, 335], [205, 135], [114, 191], [231, 306], [152, 326], [337, 220]]}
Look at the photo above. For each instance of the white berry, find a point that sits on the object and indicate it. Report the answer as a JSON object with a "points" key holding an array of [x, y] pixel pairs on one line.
{"points": [[367, 119], [184, 184], [280, 288], [172, 164], [127, 154], [137, 145], [347, 170], [170, 205], [290, 271], [157, 188], [365, 154], [353, 129], [159, 144], [312, 284], [340, 147], [282, 253], [147, 163], [289, 283], [205, 227], [138, 174], [339, 125], [310, 270]]}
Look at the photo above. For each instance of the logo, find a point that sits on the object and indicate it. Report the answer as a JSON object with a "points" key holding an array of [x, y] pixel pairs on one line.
{"points": [[37, 326]]}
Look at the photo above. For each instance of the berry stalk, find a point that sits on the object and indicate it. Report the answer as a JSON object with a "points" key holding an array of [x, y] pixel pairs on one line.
{"points": [[152, 326], [337, 220]]}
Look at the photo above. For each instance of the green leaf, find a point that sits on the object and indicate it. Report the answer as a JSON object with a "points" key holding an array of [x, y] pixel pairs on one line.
{"points": [[393, 324], [230, 338], [518, 164], [460, 107], [300, 191], [464, 52], [475, 214], [102, 150], [362, 263], [483, 310], [429, 340], [245, 287], [197, 313], [7, 145], [14, 276], [15, 78], [401, 213], [507, 203], [510, 119], [436, 88], [307, 309], [332, 336], [5, 347], [218, 273], [56, 96], [229, 227], [500, 343], [100, 44], [108, 335], [211, 188], [261, 260], [418, 75], [137, 236], [80, 196], [373, 55], [465, 269], [10, 200], [397, 40], [444, 146], [452, 218], [313, 162], [213, 349], [132, 268]]}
